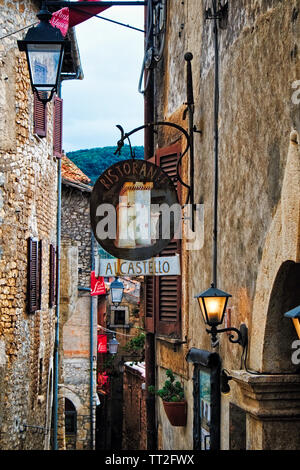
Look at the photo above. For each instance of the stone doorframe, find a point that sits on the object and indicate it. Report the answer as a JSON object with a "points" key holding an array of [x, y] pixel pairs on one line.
{"points": [[271, 397]]}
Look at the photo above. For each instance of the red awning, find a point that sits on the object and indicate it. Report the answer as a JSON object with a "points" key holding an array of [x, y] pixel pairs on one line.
{"points": [[67, 18]]}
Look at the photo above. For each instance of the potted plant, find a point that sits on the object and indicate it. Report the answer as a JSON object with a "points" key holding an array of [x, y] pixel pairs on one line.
{"points": [[172, 395]]}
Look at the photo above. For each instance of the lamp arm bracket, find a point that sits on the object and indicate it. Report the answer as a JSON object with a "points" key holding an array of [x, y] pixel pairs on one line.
{"points": [[241, 334]]}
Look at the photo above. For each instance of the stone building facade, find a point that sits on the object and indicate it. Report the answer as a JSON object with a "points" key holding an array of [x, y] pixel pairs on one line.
{"points": [[134, 407], [77, 392], [28, 217], [258, 213]]}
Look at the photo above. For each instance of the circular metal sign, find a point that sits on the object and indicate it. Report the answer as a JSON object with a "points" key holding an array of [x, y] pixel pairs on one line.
{"points": [[132, 210]]}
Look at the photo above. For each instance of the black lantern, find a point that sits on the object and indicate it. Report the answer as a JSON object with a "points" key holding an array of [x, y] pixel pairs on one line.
{"points": [[116, 292], [44, 46], [213, 304], [113, 345], [294, 315]]}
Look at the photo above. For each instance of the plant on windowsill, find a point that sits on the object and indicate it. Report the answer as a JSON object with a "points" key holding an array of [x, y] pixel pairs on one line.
{"points": [[172, 395]]}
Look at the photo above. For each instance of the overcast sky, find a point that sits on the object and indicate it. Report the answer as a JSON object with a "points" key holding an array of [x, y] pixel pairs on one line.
{"points": [[111, 57]]}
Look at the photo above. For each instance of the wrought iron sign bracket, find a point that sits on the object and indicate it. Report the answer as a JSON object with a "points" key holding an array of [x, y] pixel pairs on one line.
{"points": [[188, 135]]}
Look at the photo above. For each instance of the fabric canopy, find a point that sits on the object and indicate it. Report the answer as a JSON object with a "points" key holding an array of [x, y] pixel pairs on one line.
{"points": [[67, 17]]}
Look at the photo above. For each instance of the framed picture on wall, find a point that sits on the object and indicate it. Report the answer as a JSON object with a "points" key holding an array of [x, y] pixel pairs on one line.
{"points": [[206, 425]]}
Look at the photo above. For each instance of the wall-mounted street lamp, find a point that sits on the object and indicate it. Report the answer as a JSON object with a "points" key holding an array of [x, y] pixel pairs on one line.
{"points": [[294, 315], [213, 304], [116, 292], [44, 46], [113, 345]]}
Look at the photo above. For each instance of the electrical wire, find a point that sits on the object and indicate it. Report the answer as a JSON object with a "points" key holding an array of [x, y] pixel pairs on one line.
{"points": [[117, 333], [90, 15], [253, 372], [22, 29]]}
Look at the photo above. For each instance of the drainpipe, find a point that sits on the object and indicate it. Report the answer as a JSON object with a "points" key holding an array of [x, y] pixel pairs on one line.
{"points": [[216, 145], [56, 343], [92, 347], [150, 353]]}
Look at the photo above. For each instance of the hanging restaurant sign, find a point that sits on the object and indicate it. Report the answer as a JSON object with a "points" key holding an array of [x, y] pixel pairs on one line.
{"points": [[97, 285], [102, 344], [134, 210]]}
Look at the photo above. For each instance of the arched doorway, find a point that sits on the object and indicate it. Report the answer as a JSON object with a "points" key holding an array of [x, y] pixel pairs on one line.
{"points": [[70, 425]]}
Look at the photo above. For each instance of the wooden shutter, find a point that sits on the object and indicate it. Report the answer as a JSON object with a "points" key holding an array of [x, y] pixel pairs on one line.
{"points": [[168, 288], [39, 289], [52, 277], [39, 117], [149, 296], [32, 276], [57, 127]]}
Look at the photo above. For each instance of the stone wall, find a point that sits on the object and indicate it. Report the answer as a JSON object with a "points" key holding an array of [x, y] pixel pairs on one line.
{"points": [[28, 203], [75, 342], [76, 227]]}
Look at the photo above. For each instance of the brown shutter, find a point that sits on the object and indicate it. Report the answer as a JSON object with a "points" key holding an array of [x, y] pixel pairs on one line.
{"points": [[52, 277], [150, 283], [168, 288], [32, 276], [39, 289], [39, 117], [57, 127]]}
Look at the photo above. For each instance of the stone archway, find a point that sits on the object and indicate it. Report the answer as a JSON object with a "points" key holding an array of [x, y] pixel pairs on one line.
{"points": [[280, 332]]}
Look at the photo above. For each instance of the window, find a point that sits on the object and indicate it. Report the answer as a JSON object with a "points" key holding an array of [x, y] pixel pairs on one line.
{"points": [[70, 417], [39, 117], [119, 316], [163, 293], [34, 275]]}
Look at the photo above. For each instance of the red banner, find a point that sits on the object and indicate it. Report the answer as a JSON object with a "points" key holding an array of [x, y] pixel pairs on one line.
{"points": [[102, 343], [67, 18], [97, 285]]}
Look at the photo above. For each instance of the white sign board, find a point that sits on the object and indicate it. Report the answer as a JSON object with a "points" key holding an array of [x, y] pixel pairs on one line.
{"points": [[163, 266]]}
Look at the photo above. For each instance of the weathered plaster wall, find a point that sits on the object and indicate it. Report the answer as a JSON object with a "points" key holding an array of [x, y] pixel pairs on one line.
{"points": [[259, 62], [75, 346], [28, 194]]}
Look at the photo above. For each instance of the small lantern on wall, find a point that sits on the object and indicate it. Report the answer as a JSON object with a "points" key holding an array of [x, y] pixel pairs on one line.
{"points": [[213, 304], [44, 46], [113, 345], [294, 315], [116, 292]]}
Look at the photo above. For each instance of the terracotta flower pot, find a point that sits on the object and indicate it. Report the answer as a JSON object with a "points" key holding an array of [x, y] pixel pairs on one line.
{"points": [[176, 412]]}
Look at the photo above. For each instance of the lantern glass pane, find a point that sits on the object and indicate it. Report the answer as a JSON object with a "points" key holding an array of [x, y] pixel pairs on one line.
{"points": [[296, 322], [44, 61], [215, 309], [113, 346], [200, 300]]}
